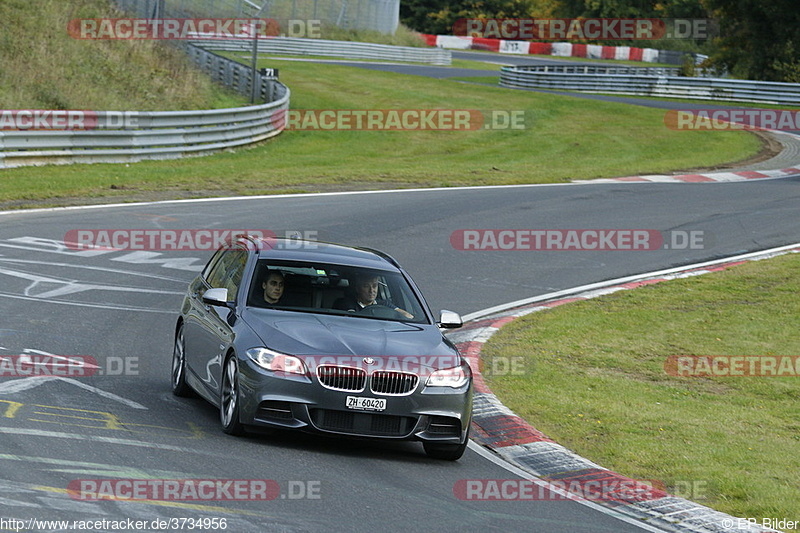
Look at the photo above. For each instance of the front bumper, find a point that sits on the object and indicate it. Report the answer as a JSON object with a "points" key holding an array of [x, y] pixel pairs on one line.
{"points": [[433, 414]]}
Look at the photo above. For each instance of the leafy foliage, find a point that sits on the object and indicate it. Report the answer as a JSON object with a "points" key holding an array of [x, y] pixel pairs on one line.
{"points": [[758, 39]]}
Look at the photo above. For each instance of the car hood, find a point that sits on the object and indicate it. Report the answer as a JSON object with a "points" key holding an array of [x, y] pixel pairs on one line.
{"points": [[344, 338]]}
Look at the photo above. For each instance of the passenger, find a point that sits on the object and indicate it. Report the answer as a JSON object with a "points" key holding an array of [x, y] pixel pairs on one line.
{"points": [[273, 287]]}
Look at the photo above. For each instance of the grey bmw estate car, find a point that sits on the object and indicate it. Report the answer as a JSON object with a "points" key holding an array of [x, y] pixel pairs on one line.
{"points": [[321, 338]]}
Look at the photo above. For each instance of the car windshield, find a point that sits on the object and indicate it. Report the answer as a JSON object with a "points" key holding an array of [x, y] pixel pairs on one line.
{"points": [[335, 290]]}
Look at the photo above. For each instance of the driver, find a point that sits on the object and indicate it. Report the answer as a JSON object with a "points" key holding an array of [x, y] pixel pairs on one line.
{"points": [[366, 294]]}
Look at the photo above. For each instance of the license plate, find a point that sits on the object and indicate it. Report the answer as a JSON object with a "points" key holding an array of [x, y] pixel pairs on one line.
{"points": [[362, 403]]}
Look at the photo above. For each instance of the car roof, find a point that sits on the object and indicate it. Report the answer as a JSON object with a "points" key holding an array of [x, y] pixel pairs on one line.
{"points": [[323, 252]]}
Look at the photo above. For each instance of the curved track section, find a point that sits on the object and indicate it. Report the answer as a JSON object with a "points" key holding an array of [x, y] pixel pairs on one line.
{"points": [[118, 308]]}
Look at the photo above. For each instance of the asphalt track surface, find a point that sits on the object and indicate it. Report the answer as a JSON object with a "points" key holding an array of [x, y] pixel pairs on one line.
{"points": [[120, 307]]}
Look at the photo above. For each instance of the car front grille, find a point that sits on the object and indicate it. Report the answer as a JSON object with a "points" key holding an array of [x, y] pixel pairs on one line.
{"points": [[342, 378], [393, 383], [362, 423], [351, 379]]}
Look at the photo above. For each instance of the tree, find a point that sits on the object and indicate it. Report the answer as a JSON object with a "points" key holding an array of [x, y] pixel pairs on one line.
{"points": [[438, 16], [758, 39]]}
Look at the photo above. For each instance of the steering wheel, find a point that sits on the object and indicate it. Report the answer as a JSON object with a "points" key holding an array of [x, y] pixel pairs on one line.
{"points": [[379, 311]]}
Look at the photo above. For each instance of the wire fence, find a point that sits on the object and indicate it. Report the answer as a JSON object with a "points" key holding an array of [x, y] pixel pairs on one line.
{"points": [[378, 15]]}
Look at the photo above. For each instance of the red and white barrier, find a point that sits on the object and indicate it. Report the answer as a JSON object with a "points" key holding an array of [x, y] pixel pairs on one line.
{"points": [[589, 51]]}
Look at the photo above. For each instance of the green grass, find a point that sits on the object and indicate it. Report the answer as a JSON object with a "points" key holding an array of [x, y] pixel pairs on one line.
{"points": [[710, 103], [565, 139], [594, 380], [487, 80], [476, 65], [45, 68], [404, 36]]}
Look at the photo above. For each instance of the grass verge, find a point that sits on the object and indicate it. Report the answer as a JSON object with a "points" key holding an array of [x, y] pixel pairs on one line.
{"points": [[564, 138], [594, 380]]}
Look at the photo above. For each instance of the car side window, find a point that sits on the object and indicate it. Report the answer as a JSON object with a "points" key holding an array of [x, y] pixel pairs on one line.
{"points": [[212, 262], [228, 271]]}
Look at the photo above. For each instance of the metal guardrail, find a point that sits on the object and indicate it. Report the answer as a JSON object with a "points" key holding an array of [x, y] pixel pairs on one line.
{"points": [[658, 86], [603, 69], [326, 48], [117, 137]]}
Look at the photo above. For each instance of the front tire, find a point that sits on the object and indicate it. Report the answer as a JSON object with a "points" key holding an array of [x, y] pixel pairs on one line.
{"points": [[179, 385], [229, 398], [446, 452]]}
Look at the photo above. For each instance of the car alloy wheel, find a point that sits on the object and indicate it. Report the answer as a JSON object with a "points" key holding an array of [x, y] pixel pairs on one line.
{"points": [[229, 398], [179, 386]]}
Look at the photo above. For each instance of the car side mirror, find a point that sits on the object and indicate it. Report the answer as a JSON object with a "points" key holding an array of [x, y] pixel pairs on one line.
{"points": [[217, 297], [449, 320]]}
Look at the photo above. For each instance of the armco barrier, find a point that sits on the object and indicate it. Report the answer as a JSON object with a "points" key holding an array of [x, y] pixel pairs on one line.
{"points": [[643, 84], [588, 51], [326, 48], [117, 137], [605, 69]]}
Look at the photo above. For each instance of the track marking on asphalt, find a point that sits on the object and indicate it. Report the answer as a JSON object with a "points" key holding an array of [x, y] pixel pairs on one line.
{"points": [[298, 195], [54, 287], [113, 471], [89, 267], [12, 408], [161, 503], [156, 219], [276, 196], [88, 304], [22, 384], [70, 286], [101, 469], [69, 416], [94, 438], [54, 246], [486, 454]]}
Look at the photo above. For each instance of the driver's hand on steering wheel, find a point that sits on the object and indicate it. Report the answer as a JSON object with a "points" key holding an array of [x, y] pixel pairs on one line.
{"points": [[406, 314]]}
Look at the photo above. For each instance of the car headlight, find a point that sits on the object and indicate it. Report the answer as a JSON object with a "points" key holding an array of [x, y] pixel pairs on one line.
{"points": [[277, 362], [455, 377]]}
